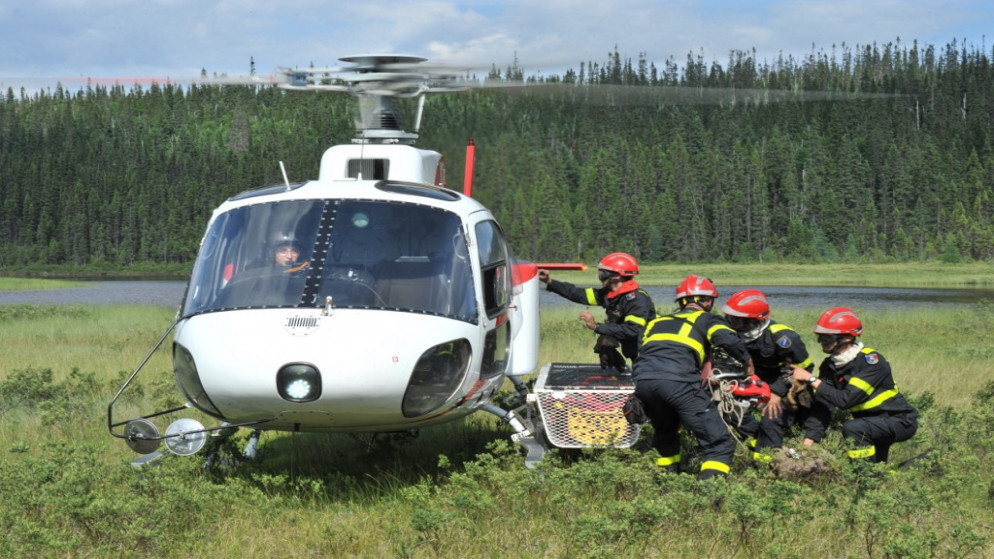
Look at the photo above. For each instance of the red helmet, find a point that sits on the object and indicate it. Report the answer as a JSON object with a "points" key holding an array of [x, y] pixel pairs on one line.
{"points": [[695, 285], [839, 320], [620, 263], [748, 303]]}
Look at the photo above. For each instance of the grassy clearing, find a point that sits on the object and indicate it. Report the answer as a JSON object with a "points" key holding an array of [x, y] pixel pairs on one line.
{"points": [[28, 284], [947, 352], [461, 489], [100, 338], [911, 274]]}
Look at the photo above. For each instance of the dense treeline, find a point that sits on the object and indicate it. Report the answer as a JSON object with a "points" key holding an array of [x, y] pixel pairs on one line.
{"points": [[875, 152]]}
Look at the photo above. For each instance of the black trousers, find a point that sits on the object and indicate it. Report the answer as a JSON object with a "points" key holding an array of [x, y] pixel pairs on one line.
{"points": [[880, 431], [771, 430], [670, 403]]}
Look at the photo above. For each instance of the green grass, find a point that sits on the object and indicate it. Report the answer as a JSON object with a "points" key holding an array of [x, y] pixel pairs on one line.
{"points": [[909, 274], [461, 490], [31, 284]]}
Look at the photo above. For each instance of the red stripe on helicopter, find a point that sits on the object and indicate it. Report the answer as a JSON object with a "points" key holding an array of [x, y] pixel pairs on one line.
{"points": [[522, 272]]}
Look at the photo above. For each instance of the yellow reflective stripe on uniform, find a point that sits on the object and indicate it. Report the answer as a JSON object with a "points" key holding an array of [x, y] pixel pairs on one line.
{"points": [[681, 337], [717, 327], [865, 387], [881, 398], [685, 340], [774, 328], [867, 452], [861, 384], [636, 319], [762, 458], [668, 460], [715, 465], [591, 296]]}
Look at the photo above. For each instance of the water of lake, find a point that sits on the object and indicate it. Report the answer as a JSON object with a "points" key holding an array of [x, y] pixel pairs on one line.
{"points": [[821, 298], [170, 294]]}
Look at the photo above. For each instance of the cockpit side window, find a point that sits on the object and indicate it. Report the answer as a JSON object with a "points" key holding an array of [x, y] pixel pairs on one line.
{"points": [[494, 263]]}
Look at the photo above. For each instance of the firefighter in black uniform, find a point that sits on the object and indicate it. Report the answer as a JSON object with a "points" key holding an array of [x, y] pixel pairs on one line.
{"points": [[667, 377], [772, 346], [628, 308], [856, 378]]}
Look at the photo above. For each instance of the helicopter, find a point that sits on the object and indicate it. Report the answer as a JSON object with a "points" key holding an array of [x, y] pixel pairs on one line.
{"points": [[375, 299], [371, 299]]}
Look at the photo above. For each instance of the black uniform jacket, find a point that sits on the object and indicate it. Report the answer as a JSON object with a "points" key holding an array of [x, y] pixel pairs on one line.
{"points": [[864, 386], [628, 310], [675, 346], [774, 348]]}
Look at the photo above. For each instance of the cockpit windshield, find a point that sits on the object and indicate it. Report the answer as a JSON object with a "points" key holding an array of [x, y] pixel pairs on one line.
{"points": [[365, 254]]}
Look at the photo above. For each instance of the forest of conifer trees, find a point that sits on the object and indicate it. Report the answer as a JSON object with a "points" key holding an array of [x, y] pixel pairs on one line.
{"points": [[892, 161]]}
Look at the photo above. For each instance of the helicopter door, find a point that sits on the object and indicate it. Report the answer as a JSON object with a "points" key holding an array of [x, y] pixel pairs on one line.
{"points": [[496, 278]]}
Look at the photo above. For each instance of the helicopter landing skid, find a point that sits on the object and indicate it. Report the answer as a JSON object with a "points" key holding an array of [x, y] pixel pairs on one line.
{"points": [[526, 432]]}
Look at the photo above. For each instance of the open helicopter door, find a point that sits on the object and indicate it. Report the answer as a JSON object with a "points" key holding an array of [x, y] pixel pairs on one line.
{"points": [[523, 357]]}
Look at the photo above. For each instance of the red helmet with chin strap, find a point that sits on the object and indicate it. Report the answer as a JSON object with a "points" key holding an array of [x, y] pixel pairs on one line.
{"points": [[621, 263], [839, 320], [695, 285], [748, 303]]}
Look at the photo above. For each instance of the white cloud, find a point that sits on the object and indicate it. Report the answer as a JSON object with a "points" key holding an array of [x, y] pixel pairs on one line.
{"points": [[179, 37]]}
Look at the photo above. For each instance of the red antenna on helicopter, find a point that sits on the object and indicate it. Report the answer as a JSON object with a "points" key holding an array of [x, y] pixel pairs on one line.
{"points": [[467, 184]]}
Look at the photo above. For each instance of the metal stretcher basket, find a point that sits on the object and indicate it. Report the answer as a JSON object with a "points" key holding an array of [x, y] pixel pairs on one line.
{"points": [[580, 405]]}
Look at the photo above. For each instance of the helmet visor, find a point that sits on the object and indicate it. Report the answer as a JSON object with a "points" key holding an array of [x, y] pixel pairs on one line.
{"points": [[742, 323], [825, 339]]}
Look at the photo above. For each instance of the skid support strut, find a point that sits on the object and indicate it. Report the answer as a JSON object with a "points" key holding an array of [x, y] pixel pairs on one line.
{"points": [[525, 432]]}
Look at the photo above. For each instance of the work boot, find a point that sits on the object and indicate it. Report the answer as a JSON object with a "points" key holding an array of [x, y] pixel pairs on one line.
{"points": [[711, 474]]}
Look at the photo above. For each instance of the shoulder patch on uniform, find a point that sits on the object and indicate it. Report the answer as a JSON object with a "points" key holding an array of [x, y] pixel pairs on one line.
{"points": [[783, 341], [872, 358], [630, 296]]}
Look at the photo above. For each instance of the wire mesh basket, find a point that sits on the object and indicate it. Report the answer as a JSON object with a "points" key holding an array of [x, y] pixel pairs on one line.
{"points": [[580, 405]]}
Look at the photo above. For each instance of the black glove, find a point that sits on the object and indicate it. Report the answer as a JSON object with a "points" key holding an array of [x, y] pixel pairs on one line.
{"points": [[607, 348], [634, 411], [612, 359]]}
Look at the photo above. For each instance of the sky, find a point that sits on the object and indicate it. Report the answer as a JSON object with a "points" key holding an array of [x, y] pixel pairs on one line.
{"points": [[42, 41]]}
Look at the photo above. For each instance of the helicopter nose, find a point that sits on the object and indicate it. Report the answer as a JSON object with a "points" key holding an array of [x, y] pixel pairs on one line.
{"points": [[298, 382]]}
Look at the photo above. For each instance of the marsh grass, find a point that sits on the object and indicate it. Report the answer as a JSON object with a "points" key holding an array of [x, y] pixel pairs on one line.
{"points": [[905, 274], [948, 352], [462, 490], [31, 284]]}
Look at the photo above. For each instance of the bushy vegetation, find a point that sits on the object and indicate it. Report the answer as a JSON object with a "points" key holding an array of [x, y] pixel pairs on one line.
{"points": [[462, 489]]}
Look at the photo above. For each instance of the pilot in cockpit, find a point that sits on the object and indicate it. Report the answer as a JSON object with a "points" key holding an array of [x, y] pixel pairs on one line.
{"points": [[286, 253]]}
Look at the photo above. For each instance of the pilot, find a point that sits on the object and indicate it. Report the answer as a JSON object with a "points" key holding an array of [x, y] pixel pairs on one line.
{"points": [[628, 308], [286, 253]]}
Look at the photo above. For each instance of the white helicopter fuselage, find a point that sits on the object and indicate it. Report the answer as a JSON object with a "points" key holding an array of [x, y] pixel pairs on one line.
{"points": [[365, 358], [400, 312]]}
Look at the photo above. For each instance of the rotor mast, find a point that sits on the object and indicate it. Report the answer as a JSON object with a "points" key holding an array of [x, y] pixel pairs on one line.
{"points": [[375, 80]]}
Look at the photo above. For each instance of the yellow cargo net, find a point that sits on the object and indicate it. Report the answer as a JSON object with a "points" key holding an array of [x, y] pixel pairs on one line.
{"points": [[596, 427]]}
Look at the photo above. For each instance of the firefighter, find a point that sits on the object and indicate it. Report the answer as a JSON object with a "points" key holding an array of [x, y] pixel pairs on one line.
{"points": [[772, 346], [667, 377], [859, 379], [628, 308]]}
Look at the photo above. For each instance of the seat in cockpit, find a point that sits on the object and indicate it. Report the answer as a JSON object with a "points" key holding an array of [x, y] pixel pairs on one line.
{"points": [[416, 283]]}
